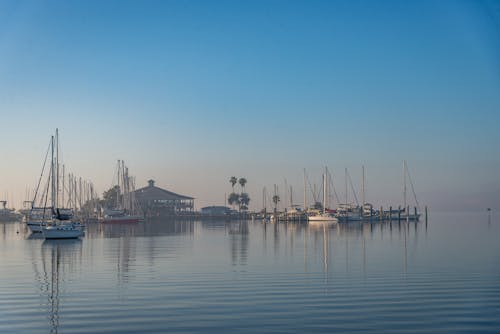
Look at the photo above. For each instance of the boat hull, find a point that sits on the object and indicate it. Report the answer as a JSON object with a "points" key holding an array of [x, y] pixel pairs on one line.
{"points": [[322, 219], [35, 226], [62, 232], [122, 220]]}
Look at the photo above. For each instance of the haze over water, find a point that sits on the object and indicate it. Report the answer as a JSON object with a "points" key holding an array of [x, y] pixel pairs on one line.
{"points": [[189, 93], [248, 277]]}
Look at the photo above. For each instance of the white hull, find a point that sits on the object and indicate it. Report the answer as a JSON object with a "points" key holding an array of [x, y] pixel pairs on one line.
{"points": [[322, 219], [62, 231]]}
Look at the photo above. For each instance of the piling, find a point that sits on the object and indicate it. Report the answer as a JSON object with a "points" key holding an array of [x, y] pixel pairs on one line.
{"points": [[426, 215], [415, 213], [399, 213], [390, 214], [407, 213], [381, 213]]}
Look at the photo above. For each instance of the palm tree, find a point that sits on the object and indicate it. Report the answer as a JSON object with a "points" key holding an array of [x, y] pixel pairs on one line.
{"points": [[233, 180], [242, 181], [276, 199], [233, 199], [244, 201]]}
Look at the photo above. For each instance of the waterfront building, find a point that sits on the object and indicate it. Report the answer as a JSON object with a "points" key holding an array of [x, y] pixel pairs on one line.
{"points": [[155, 201]]}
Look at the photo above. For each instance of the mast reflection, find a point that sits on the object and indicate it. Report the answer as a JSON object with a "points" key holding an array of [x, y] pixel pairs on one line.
{"points": [[58, 257]]}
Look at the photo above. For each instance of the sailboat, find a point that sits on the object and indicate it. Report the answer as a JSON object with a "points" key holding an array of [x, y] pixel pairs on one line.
{"points": [[325, 216], [125, 209], [59, 223], [405, 212]]}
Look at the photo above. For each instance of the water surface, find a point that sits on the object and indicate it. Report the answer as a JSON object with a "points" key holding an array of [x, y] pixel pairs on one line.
{"points": [[247, 277]]}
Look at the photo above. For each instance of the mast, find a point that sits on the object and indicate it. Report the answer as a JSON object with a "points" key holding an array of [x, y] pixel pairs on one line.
{"points": [[363, 186], [119, 189], [305, 191], [53, 196], [264, 199], [62, 190], [324, 193], [346, 186], [57, 167], [404, 184], [285, 197]]}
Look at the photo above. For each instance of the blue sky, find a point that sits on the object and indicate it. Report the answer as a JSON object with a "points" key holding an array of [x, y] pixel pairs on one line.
{"points": [[192, 92]]}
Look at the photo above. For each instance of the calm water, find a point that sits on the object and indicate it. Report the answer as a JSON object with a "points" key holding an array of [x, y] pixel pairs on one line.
{"points": [[246, 277]]}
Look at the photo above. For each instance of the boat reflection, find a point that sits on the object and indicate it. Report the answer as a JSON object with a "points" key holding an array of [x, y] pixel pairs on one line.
{"points": [[346, 247], [238, 239], [58, 259], [149, 228]]}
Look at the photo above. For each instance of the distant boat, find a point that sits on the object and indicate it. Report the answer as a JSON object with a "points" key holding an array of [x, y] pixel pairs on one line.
{"points": [[325, 216], [125, 210], [322, 218]]}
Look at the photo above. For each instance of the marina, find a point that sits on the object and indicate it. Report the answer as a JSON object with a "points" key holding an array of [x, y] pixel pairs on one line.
{"points": [[275, 167]]}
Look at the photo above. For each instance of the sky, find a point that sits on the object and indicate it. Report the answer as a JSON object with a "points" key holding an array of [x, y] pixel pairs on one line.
{"points": [[190, 93]]}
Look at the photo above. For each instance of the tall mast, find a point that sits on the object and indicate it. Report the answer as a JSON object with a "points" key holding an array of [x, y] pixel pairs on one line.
{"points": [[327, 188], [119, 189], [124, 192], [363, 186], [62, 190], [57, 167], [305, 191], [324, 192], [53, 172], [264, 200], [346, 186], [404, 184], [285, 197]]}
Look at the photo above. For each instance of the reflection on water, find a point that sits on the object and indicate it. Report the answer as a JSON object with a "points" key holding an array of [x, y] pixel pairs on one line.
{"points": [[238, 240], [147, 229], [58, 257], [216, 276]]}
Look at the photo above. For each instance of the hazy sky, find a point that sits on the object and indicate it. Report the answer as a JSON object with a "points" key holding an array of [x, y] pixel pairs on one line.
{"points": [[192, 92]]}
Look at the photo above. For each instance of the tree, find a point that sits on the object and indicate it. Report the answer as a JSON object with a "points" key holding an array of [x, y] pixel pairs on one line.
{"points": [[233, 180], [244, 201], [233, 199], [242, 181], [111, 197], [276, 200]]}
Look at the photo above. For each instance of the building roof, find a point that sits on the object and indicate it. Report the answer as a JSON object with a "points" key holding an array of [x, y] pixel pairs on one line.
{"points": [[151, 192]]}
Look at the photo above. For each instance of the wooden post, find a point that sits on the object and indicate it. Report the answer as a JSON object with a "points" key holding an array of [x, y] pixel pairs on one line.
{"points": [[399, 213], [390, 214], [426, 215], [381, 213], [415, 210], [407, 213]]}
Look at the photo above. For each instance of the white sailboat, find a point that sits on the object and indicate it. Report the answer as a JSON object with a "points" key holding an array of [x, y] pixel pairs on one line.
{"points": [[125, 210], [61, 224], [324, 216]]}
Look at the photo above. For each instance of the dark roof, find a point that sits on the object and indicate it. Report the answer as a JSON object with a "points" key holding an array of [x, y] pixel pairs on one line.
{"points": [[154, 193]]}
